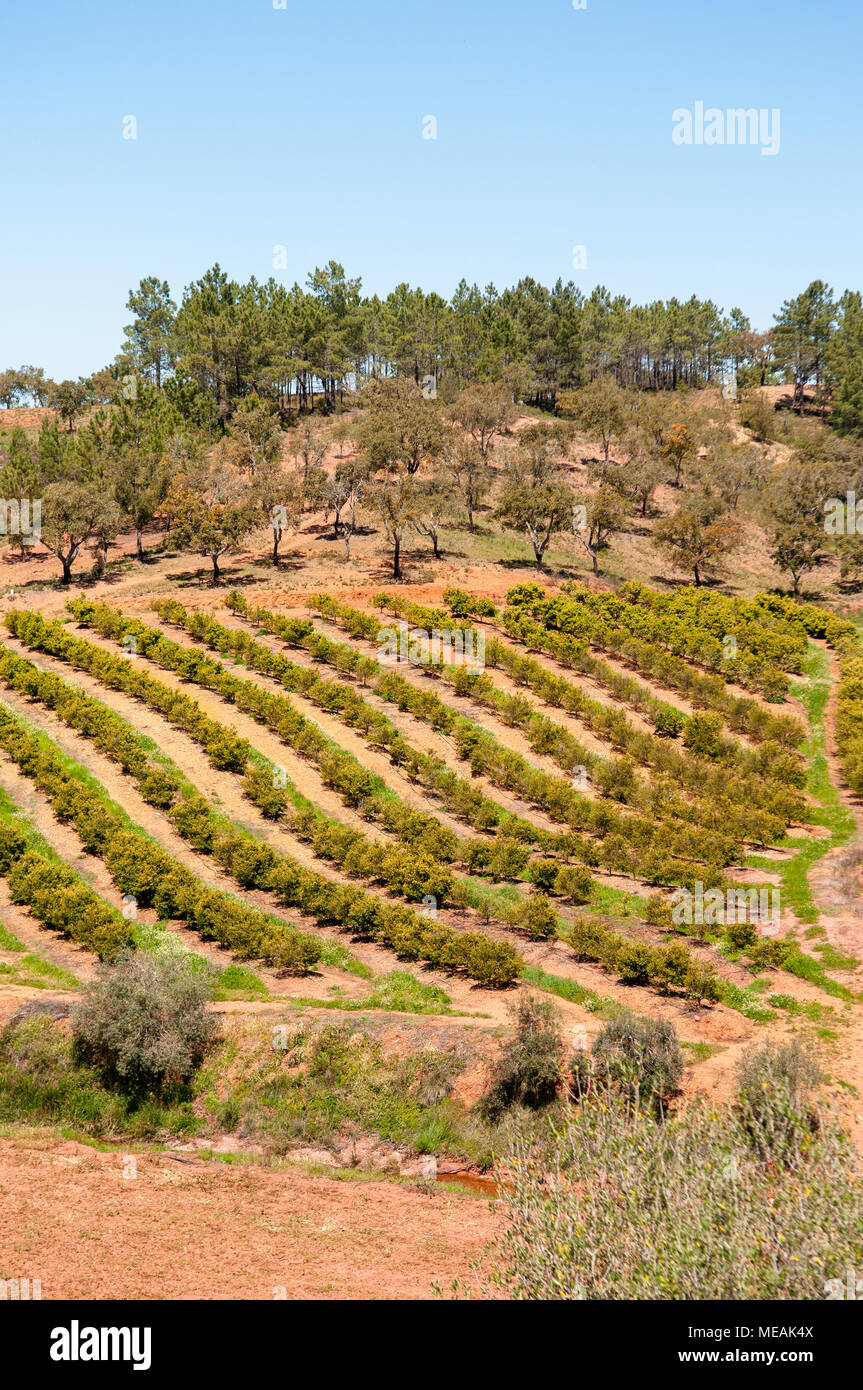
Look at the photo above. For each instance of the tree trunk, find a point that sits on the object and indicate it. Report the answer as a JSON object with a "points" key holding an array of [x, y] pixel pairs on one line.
{"points": [[138, 543], [66, 562], [277, 536], [435, 550], [397, 545], [697, 576], [216, 571]]}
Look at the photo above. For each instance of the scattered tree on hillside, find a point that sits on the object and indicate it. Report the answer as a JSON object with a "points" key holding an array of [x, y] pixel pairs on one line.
{"points": [[538, 510], [434, 508], [105, 531], [600, 408], [344, 490], [25, 383], [697, 535], [758, 416], [794, 513], [71, 514], [308, 447], [10, 388], [801, 337], [595, 519], [396, 502], [848, 411], [343, 433], [255, 436], [484, 411], [211, 516], [279, 496], [20, 480], [678, 445], [69, 398], [732, 470], [402, 430], [849, 550], [470, 474], [639, 477]]}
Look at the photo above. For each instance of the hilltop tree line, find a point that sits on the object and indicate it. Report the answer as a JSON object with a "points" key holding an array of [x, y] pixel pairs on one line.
{"points": [[293, 345], [192, 423]]}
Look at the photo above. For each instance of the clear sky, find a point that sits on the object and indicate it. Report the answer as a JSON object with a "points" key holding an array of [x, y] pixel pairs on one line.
{"points": [[302, 127]]}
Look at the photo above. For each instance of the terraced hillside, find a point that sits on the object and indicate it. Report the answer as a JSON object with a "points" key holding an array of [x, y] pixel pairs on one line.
{"points": [[386, 805]]}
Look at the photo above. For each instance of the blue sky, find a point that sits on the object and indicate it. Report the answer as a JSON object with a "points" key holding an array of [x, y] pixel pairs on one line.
{"points": [[303, 127]]}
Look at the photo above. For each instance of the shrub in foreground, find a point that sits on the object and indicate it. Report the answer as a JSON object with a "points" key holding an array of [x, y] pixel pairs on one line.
{"points": [[528, 1072], [143, 1023], [775, 1096], [615, 1205], [638, 1058]]}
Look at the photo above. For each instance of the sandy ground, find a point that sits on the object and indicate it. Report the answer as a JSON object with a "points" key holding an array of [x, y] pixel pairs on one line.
{"points": [[187, 1229]]}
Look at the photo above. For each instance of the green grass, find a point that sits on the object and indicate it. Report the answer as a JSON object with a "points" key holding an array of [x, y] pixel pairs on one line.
{"points": [[230, 982], [398, 992], [42, 1083], [8, 942], [833, 959], [813, 694], [814, 1012], [619, 902], [35, 972], [746, 1001], [335, 1080], [45, 973], [700, 1051], [338, 957], [794, 872], [598, 1004], [239, 982], [807, 968]]}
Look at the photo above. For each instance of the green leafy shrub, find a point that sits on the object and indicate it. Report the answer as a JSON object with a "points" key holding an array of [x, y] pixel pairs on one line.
{"points": [[543, 874], [528, 1071], [635, 962], [775, 1096], [678, 1210], [574, 882], [740, 935], [537, 917], [508, 858], [639, 1057], [143, 1023]]}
